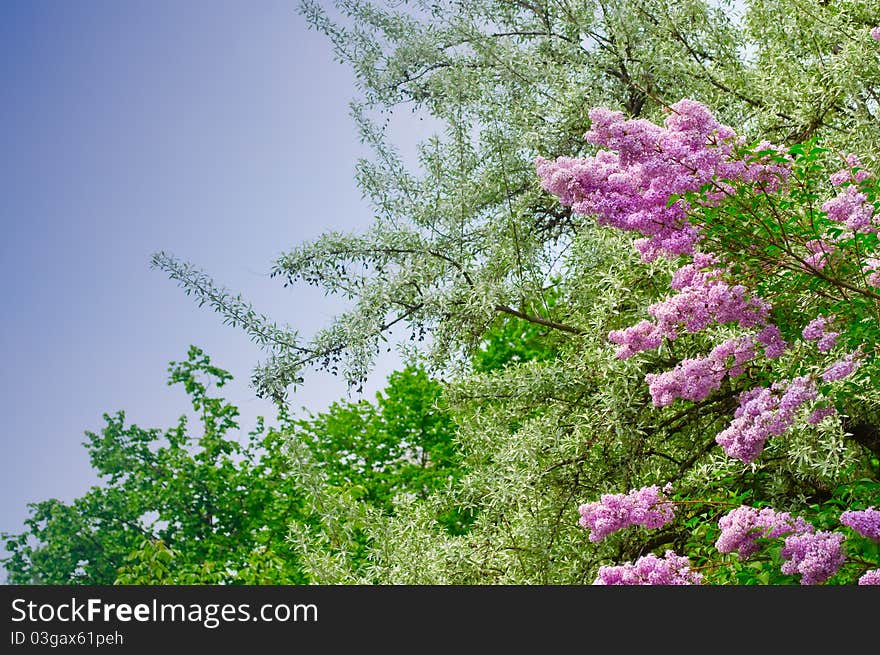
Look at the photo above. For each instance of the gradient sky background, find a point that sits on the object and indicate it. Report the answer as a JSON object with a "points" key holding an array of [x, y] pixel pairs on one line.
{"points": [[215, 130]]}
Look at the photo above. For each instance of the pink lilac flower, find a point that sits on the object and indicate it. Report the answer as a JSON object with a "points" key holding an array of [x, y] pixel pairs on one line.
{"points": [[635, 182], [827, 342], [850, 208], [767, 171], [820, 250], [635, 339], [671, 569], [798, 391], [816, 331], [695, 379], [744, 438], [865, 522], [819, 414], [850, 175], [875, 33], [764, 412], [702, 299], [771, 339], [707, 300], [840, 177], [815, 556], [872, 269], [646, 507], [742, 527], [842, 368], [871, 577], [701, 269]]}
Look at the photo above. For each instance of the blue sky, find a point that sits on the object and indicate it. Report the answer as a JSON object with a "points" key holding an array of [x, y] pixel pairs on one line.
{"points": [[217, 131]]}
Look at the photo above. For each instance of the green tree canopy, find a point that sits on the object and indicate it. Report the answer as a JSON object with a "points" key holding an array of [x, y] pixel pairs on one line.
{"points": [[178, 508]]}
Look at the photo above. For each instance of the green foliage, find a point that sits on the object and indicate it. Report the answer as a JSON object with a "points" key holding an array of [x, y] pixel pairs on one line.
{"points": [[817, 67], [404, 443], [177, 509], [512, 340], [172, 506], [518, 294]]}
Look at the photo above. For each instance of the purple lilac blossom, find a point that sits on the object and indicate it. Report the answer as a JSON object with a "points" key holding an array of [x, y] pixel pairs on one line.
{"points": [[647, 507], [763, 412], [871, 577], [850, 208], [872, 270], [848, 174], [827, 342], [635, 182], [632, 188], [820, 250], [742, 527], [671, 569], [635, 339], [841, 368], [703, 298], [815, 556], [865, 522], [771, 339], [819, 414], [695, 379], [816, 330]]}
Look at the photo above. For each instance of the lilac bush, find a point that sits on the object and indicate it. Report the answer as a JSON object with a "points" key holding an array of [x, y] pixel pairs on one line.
{"points": [[644, 180], [666, 183]]}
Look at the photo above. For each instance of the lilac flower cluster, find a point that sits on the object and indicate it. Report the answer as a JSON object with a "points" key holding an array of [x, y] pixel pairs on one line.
{"points": [[635, 339], [695, 379], [820, 252], [816, 331], [771, 340], [638, 181], [819, 414], [827, 341], [871, 577], [703, 298], [641, 180], [872, 270], [815, 556], [850, 208], [709, 301], [629, 184], [764, 412], [875, 33], [671, 569], [865, 522], [647, 507], [742, 527], [848, 174], [842, 368]]}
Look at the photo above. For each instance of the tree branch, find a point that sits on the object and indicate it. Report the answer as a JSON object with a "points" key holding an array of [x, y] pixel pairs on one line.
{"points": [[538, 320]]}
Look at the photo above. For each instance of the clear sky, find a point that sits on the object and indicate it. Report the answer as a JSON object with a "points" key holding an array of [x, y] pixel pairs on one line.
{"points": [[215, 130]]}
